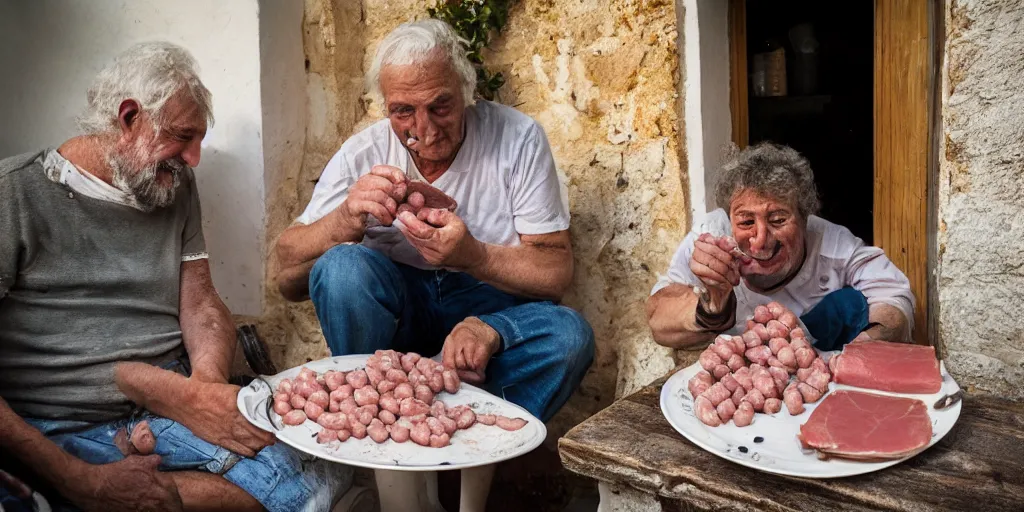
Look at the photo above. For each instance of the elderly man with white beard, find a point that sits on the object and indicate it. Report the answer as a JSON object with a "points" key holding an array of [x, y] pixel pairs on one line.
{"points": [[840, 288], [115, 347]]}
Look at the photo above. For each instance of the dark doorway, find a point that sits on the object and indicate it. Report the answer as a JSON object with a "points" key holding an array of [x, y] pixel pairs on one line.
{"points": [[824, 110]]}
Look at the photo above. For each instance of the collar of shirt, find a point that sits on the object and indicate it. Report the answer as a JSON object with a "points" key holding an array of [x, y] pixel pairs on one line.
{"points": [[62, 171]]}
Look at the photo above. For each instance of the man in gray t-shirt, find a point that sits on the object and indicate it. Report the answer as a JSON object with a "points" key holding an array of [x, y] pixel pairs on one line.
{"points": [[114, 344]]}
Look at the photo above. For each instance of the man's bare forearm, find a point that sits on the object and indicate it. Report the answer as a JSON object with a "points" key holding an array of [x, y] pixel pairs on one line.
{"points": [[301, 245], [42, 456], [890, 323], [207, 330], [209, 337], [293, 282], [541, 270], [154, 389], [671, 315]]}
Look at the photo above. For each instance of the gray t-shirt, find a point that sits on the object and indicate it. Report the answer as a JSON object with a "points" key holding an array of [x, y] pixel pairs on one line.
{"points": [[85, 283]]}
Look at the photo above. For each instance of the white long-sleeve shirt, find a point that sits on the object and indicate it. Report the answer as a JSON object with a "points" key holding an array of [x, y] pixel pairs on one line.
{"points": [[835, 258]]}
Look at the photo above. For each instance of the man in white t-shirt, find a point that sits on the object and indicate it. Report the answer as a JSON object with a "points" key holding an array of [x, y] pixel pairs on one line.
{"points": [[479, 284], [839, 287]]}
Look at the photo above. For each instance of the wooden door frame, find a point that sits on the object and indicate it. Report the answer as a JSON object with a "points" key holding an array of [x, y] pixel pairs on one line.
{"points": [[907, 71]]}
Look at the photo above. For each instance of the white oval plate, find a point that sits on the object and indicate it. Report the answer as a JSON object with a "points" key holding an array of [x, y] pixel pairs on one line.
{"points": [[478, 445], [781, 452]]}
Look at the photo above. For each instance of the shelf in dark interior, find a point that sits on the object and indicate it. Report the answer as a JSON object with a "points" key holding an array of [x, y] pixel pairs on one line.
{"points": [[811, 98], [833, 126], [789, 105]]}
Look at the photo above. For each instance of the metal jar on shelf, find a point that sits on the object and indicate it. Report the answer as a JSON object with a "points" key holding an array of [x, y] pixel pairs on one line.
{"points": [[768, 76]]}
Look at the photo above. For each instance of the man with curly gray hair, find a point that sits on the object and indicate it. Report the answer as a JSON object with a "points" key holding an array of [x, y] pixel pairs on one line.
{"points": [[839, 288], [115, 348]]}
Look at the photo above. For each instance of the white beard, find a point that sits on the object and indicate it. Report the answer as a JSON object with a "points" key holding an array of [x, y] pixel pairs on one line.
{"points": [[142, 183]]}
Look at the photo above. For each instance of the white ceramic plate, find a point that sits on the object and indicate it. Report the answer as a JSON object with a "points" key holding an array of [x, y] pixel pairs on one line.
{"points": [[476, 446], [780, 451]]}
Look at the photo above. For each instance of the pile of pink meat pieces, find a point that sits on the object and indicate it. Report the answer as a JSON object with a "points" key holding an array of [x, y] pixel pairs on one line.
{"points": [[752, 373], [393, 397]]}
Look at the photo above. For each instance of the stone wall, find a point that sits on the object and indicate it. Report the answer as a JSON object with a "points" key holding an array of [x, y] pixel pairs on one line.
{"points": [[981, 196], [602, 77]]}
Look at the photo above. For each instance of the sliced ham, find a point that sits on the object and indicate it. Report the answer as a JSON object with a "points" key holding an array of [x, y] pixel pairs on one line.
{"points": [[886, 366], [866, 426]]}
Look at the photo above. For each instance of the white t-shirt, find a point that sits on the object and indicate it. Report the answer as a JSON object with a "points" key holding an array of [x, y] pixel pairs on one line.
{"points": [[503, 179], [835, 259]]}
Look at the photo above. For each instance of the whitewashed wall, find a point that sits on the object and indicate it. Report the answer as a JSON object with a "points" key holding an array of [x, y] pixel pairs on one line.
{"points": [[704, 57], [51, 49]]}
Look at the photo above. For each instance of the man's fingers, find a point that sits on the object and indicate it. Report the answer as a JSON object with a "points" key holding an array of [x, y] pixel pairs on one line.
{"points": [[448, 353], [480, 358], [435, 217], [255, 444], [266, 437], [470, 376], [416, 227], [460, 358], [393, 174], [713, 251], [416, 199], [240, 449], [378, 211], [371, 182], [376, 196], [707, 274], [252, 437], [260, 436], [717, 266], [734, 278]]}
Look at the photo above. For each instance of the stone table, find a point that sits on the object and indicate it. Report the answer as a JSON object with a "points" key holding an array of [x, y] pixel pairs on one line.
{"points": [[643, 464]]}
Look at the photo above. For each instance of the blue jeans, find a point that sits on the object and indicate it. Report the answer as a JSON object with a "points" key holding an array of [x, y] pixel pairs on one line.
{"points": [[367, 302], [279, 477], [837, 319]]}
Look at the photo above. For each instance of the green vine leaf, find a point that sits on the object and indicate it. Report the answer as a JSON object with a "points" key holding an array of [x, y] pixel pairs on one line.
{"points": [[475, 21]]}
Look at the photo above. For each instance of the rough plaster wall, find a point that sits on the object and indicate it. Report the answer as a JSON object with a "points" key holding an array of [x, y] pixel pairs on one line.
{"points": [[333, 41], [981, 195], [601, 76]]}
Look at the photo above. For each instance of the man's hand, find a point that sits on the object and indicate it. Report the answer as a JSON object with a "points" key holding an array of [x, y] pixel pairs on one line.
{"points": [[442, 239], [212, 414], [377, 193], [14, 486], [716, 268], [469, 348], [130, 484]]}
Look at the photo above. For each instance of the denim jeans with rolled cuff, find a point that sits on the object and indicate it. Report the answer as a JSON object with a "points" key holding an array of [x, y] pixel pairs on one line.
{"points": [[279, 477]]}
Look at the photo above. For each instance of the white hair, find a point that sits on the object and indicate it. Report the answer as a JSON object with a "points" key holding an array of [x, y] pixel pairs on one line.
{"points": [[149, 73], [416, 42]]}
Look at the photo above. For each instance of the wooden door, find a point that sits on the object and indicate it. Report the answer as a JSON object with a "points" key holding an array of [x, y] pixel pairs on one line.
{"points": [[905, 82], [905, 95]]}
